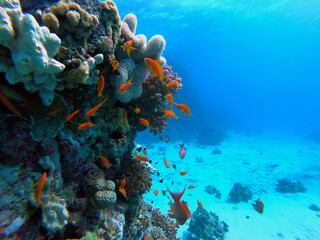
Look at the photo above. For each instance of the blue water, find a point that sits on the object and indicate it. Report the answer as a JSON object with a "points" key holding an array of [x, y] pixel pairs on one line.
{"points": [[245, 64]]}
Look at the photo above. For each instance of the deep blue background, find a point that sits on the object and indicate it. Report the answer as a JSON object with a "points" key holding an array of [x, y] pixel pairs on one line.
{"points": [[248, 64]]}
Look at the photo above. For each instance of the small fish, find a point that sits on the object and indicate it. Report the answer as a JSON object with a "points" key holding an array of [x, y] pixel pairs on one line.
{"points": [[85, 125], [141, 158], [258, 206], [179, 209], [154, 68], [143, 222], [174, 166], [124, 116], [156, 164], [128, 47], [161, 180], [156, 192], [104, 69], [169, 113], [169, 99], [144, 150], [160, 138], [53, 112], [104, 160], [125, 86], [146, 237], [172, 182], [137, 110], [70, 102], [10, 105], [100, 86], [152, 201], [183, 108], [112, 110], [191, 186], [164, 192], [183, 151], [182, 173], [170, 84], [115, 65], [69, 117], [174, 226], [144, 122], [38, 192], [166, 163], [150, 161], [95, 109], [121, 188], [167, 139], [158, 174], [200, 205], [161, 237]]}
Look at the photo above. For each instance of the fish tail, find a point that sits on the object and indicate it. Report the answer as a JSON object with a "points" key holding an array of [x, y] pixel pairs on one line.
{"points": [[176, 196]]}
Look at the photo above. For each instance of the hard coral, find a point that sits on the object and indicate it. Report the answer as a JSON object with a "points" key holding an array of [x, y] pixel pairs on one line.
{"points": [[137, 176], [162, 221]]}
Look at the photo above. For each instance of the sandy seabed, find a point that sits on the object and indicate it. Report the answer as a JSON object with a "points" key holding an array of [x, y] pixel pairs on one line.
{"points": [[256, 161]]}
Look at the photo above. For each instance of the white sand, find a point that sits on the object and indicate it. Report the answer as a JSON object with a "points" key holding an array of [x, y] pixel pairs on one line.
{"points": [[247, 160]]}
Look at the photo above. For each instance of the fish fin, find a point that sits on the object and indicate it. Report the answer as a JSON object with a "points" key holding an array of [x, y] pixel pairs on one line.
{"points": [[171, 215], [176, 195]]}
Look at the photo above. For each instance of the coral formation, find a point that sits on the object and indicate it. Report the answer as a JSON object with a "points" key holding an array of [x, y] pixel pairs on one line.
{"points": [[240, 193], [285, 185], [205, 225], [213, 191], [32, 51]]}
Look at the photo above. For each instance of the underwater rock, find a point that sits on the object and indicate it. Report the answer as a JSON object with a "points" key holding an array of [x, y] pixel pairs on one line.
{"points": [[240, 193], [213, 191], [287, 186], [204, 225]]}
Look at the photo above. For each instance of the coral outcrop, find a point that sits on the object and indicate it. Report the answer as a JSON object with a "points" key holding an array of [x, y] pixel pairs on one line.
{"points": [[32, 49], [240, 193], [286, 185]]}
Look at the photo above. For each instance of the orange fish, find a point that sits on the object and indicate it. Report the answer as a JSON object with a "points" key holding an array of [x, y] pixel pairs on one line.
{"points": [[121, 188], [10, 105], [155, 68], [125, 86], [85, 125], [137, 110], [141, 158], [128, 47], [191, 186], [104, 70], [170, 84], [200, 205], [111, 110], [115, 65], [144, 122], [179, 209], [40, 184], [69, 117], [169, 113], [182, 173], [144, 151], [104, 160], [124, 116], [184, 109], [169, 99], [156, 192], [166, 163], [70, 102], [174, 225], [53, 112], [146, 237], [258, 206], [100, 86], [143, 222], [95, 109]]}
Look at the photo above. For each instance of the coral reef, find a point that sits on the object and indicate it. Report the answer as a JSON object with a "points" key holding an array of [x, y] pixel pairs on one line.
{"points": [[205, 225], [213, 191], [240, 193], [32, 52], [285, 185]]}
